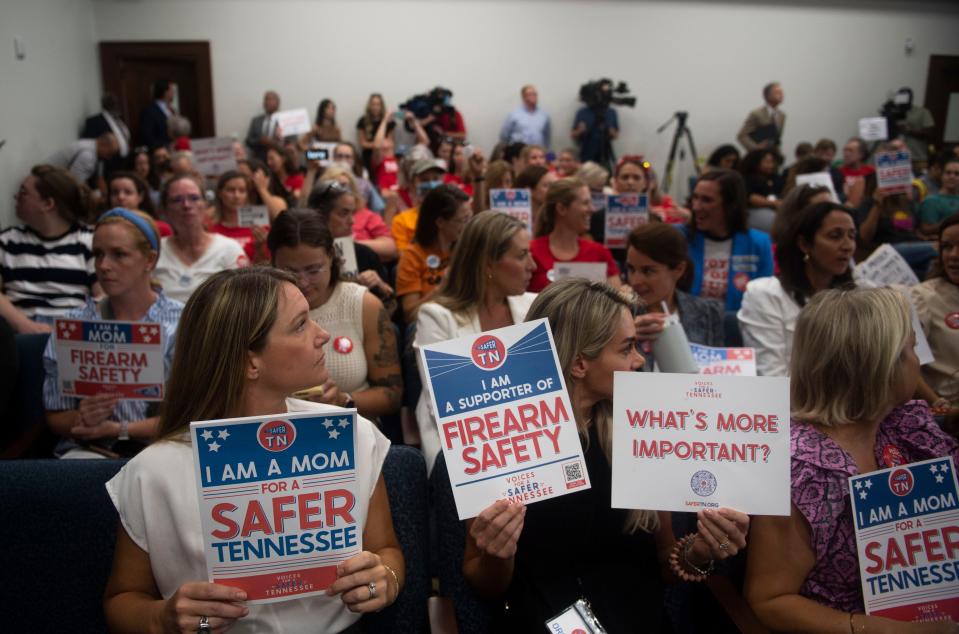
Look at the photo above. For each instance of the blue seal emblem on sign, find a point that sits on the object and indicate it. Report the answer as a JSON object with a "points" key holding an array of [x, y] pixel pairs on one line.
{"points": [[703, 483]]}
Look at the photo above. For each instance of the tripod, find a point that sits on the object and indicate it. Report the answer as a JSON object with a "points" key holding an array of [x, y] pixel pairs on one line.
{"points": [[606, 157], [681, 129]]}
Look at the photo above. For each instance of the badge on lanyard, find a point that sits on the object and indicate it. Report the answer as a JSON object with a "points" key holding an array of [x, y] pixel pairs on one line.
{"points": [[576, 619]]}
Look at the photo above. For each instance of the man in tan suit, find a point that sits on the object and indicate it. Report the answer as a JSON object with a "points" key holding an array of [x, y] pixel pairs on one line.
{"points": [[764, 126]]}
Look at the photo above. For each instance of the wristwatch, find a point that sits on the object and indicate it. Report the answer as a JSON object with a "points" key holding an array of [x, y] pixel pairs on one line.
{"points": [[124, 430], [350, 403]]}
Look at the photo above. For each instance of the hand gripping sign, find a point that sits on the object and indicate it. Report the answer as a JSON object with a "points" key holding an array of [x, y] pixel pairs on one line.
{"points": [[110, 357], [684, 442], [504, 416], [277, 497], [907, 533]]}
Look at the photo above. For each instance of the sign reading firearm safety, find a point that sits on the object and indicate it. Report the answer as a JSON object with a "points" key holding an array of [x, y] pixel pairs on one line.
{"points": [[907, 531], [505, 421], [110, 357], [684, 442], [277, 496]]}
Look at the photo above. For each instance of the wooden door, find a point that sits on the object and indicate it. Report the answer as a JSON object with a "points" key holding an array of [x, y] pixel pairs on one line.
{"points": [[942, 97], [129, 70]]}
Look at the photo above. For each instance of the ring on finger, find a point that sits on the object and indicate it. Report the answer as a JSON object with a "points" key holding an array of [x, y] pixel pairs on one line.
{"points": [[725, 543], [372, 588], [204, 625]]}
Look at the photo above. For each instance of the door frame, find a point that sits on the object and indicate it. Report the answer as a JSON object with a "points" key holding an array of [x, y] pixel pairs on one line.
{"points": [[114, 53]]}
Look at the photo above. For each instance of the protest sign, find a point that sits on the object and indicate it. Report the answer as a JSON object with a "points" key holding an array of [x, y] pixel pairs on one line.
{"points": [[110, 357], [907, 533], [346, 251], [732, 361], [504, 417], [818, 179], [894, 171], [592, 271], [322, 152], [705, 442], [885, 266], [253, 216], [624, 212], [213, 156], [292, 122], [276, 497], [873, 129], [515, 202], [598, 201]]}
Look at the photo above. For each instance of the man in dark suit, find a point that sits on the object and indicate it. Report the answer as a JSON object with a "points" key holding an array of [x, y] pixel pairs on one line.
{"points": [[153, 119], [109, 120], [764, 126], [262, 130]]}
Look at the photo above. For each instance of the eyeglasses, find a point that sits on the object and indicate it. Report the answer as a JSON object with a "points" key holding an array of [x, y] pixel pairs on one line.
{"points": [[342, 157], [181, 201], [310, 272]]}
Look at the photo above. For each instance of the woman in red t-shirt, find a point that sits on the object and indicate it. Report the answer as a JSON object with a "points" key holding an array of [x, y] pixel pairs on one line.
{"points": [[232, 192], [559, 231], [282, 161]]}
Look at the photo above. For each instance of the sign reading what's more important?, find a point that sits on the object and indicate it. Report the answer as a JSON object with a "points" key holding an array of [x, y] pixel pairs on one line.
{"points": [[504, 417], [277, 496], [684, 442]]}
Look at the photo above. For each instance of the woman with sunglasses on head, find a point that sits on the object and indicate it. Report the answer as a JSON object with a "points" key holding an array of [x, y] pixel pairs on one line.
{"points": [[191, 254], [126, 245], [535, 561], [336, 205], [361, 354], [368, 227], [263, 347]]}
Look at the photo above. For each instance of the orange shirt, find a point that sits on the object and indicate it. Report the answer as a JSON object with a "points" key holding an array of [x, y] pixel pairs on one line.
{"points": [[420, 270], [404, 227]]}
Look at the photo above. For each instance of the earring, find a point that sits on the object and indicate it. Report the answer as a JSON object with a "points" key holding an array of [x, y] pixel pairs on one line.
{"points": [[805, 257]]}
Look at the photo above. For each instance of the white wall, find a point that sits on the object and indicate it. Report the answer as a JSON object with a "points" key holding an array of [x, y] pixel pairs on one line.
{"points": [[44, 97], [836, 60]]}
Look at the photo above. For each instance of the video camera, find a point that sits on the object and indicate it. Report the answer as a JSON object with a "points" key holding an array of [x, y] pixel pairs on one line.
{"points": [[895, 110], [436, 102], [599, 94]]}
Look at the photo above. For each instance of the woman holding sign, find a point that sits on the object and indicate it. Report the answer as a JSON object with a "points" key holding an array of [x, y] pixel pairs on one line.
{"points": [[247, 341], [559, 230], [485, 288], [126, 246], [854, 371], [232, 192], [815, 253], [541, 558]]}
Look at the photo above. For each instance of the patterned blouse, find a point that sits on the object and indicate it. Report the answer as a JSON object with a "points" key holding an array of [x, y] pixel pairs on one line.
{"points": [[820, 470]]}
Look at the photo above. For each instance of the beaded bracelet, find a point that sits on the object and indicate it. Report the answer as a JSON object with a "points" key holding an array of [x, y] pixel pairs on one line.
{"points": [[683, 546]]}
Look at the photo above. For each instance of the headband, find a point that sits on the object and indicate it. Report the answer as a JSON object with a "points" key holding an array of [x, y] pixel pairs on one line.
{"points": [[137, 221]]}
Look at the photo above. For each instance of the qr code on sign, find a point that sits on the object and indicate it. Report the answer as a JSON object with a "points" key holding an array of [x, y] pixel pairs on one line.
{"points": [[573, 473]]}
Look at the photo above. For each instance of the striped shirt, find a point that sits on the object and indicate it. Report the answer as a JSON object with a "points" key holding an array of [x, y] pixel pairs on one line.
{"points": [[164, 311], [46, 277]]}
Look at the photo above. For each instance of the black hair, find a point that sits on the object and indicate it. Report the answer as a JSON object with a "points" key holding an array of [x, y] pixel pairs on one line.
{"points": [[441, 202], [732, 193], [160, 87], [791, 259], [297, 226], [722, 152]]}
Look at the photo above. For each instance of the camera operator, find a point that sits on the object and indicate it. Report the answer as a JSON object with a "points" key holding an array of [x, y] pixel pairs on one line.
{"points": [[596, 124], [438, 116], [913, 123]]}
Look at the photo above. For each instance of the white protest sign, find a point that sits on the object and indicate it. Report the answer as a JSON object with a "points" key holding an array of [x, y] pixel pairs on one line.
{"points": [[885, 266], [110, 357], [293, 122], [894, 171], [515, 202], [346, 250], [906, 519], [504, 417], [731, 361], [213, 156], [624, 212], [276, 497], [706, 442], [253, 216], [818, 179], [597, 201], [873, 129], [592, 271]]}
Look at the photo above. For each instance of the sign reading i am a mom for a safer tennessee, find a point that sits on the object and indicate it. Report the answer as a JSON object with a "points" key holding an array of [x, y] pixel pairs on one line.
{"points": [[505, 421]]}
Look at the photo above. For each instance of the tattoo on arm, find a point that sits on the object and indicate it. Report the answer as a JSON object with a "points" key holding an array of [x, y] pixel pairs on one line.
{"points": [[386, 356], [394, 387]]}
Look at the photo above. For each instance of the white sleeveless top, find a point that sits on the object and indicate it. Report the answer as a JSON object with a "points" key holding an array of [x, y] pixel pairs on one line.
{"points": [[342, 317]]}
